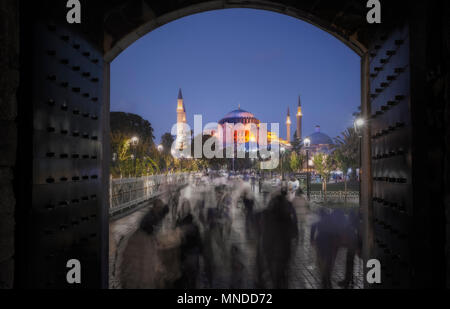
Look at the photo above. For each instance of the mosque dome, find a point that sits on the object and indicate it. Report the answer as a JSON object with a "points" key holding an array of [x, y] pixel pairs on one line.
{"points": [[319, 138], [239, 116]]}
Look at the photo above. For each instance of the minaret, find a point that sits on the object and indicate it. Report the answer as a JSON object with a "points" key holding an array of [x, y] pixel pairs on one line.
{"points": [[181, 111], [181, 120], [288, 126], [299, 119]]}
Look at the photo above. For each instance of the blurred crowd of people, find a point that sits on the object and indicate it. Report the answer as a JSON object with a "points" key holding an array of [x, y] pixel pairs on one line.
{"points": [[216, 233]]}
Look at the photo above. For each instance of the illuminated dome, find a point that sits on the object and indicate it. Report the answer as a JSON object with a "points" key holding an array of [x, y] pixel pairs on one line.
{"points": [[319, 138], [239, 116]]}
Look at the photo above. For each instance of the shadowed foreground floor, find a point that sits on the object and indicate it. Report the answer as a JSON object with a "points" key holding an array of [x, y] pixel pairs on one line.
{"points": [[303, 270]]}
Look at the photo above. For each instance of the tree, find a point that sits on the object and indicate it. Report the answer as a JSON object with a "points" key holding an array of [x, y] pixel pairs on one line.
{"points": [[212, 144], [296, 143], [167, 141], [132, 125], [284, 164], [323, 164], [129, 159], [296, 161], [347, 150], [121, 154]]}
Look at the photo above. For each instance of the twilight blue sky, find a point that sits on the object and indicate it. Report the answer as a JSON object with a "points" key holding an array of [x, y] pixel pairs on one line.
{"points": [[259, 59]]}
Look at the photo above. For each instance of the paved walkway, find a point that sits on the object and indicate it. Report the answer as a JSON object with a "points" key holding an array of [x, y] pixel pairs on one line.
{"points": [[303, 270]]}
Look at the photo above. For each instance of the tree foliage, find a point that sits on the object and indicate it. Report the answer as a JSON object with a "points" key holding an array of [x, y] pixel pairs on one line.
{"points": [[167, 141], [346, 152], [132, 159], [324, 165], [296, 161]]}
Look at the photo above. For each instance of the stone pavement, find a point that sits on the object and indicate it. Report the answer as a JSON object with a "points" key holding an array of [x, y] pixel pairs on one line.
{"points": [[303, 270]]}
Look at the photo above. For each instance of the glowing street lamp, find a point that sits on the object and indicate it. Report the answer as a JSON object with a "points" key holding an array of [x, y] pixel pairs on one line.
{"points": [[134, 140], [160, 148], [283, 150], [359, 124], [307, 144]]}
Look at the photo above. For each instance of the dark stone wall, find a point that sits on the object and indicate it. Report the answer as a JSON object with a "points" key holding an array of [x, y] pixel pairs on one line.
{"points": [[430, 114], [9, 82]]}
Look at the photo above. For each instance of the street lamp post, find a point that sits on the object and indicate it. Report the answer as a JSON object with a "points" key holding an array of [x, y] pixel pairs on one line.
{"points": [[134, 142], [307, 143], [283, 150], [133, 158], [359, 124], [160, 150]]}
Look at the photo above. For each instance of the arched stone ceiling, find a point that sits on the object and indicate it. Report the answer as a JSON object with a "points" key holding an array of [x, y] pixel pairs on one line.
{"points": [[125, 21]]}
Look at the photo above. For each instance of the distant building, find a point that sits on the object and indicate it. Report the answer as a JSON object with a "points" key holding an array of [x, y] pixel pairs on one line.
{"points": [[245, 125], [238, 127], [246, 131], [320, 142]]}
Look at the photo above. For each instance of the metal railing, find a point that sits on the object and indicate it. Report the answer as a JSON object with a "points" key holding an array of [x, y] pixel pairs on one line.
{"points": [[128, 193], [349, 196]]}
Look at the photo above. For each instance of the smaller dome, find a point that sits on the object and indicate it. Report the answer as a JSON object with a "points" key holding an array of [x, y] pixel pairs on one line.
{"points": [[319, 138]]}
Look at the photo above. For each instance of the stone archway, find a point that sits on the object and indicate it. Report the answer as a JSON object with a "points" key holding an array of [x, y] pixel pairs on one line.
{"points": [[114, 44], [69, 159]]}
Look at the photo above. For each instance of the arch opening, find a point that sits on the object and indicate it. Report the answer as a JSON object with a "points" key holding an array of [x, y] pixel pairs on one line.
{"points": [[244, 118]]}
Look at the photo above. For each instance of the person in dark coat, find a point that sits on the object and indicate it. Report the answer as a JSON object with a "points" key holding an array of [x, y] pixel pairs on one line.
{"points": [[143, 266], [335, 230], [351, 239], [190, 249], [278, 230], [249, 204]]}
